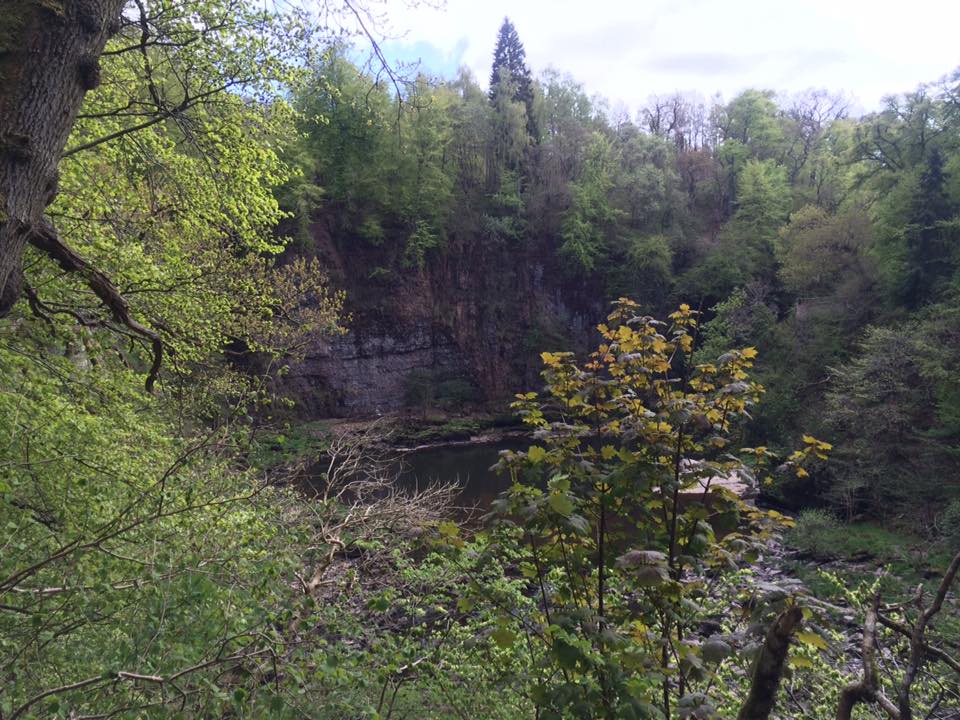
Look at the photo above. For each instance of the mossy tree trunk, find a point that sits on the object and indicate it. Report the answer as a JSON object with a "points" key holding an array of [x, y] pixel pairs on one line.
{"points": [[768, 667]]}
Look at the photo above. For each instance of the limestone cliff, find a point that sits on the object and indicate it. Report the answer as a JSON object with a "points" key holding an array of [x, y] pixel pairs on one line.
{"points": [[475, 316]]}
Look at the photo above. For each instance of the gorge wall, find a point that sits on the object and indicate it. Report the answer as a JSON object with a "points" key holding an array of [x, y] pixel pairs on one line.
{"points": [[465, 328]]}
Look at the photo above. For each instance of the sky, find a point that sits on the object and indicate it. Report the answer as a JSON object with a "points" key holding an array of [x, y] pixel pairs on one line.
{"points": [[627, 51]]}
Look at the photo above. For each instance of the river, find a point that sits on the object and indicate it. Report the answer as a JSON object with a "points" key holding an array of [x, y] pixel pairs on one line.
{"points": [[470, 465]]}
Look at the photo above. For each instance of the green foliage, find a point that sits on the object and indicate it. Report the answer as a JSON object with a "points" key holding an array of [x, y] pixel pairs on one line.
{"points": [[884, 404], [139, 540], [613, 506], [751, 120], [291, 444], [745, 250], [950, 524], [425, 389], [130, 547], [651, 260], [419, 244], [744, 317], [816, 533], [180, 214], [586, 223], [510, 66], [763, 198], [822, 255], [381, 164]]}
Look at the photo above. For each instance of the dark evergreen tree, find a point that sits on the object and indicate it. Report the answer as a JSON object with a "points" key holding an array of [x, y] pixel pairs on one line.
{"points": [[510, 54], [929, 236]]}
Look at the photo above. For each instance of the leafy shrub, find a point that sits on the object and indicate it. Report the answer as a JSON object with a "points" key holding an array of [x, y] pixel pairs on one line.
{"points": [[814, 532], [427, 388], [950, 524], [454, 392], [372, 232]]}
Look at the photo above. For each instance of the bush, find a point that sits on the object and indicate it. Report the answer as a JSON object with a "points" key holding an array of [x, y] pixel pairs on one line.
{"points": [[427, 388], [814, 533], [455, 392], [950, 525]]}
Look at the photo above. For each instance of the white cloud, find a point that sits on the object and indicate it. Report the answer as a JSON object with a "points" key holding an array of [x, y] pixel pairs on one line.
{"points": [[627, 51]]}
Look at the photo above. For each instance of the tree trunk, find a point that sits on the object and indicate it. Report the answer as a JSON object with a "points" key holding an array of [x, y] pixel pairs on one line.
{"points": [[49, 59], [768, 667]]}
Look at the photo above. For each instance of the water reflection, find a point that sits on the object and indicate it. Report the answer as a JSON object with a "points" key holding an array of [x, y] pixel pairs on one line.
{"points": [[468, 465]]}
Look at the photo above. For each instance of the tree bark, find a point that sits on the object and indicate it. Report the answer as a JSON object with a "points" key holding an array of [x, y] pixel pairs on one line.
{"points": [[868, 689], [768, 668], [49, 59]]}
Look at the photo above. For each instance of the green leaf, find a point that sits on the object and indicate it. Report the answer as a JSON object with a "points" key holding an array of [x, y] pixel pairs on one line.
{"points": [[504, 637], [465, 604], [448, 529], [560, 504], [799, 661], [812, 639], [567, 655], [536, 454]]}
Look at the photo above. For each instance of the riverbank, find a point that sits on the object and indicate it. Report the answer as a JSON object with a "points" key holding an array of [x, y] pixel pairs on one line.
{"points": [[401, 433]]}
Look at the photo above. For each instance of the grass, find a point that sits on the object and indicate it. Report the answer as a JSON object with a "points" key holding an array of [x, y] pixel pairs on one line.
{"points": [[869, 546]]}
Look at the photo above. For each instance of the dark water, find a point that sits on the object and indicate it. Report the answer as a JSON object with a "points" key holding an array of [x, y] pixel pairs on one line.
{"points": [[468, 465]]}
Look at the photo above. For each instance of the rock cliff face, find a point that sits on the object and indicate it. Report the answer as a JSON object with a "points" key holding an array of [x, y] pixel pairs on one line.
{"points": [[369, 370], [473, 317]]}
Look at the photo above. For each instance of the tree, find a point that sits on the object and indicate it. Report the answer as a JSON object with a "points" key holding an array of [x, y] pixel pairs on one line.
{"points": [[509, 136], [587, 223], [931, 236], [749, 129], [618, 508], [752, 119], [509, 55], [50, 60], [891, 407], [184, 73], [823, 255]]}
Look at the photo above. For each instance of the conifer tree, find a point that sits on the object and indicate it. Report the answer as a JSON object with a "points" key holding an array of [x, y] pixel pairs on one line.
{"points": [[510, 54], [929, 235]]}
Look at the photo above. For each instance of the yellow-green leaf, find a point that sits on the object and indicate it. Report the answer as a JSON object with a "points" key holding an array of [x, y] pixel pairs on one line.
{"points": [[561, 504], [810, 638]]}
